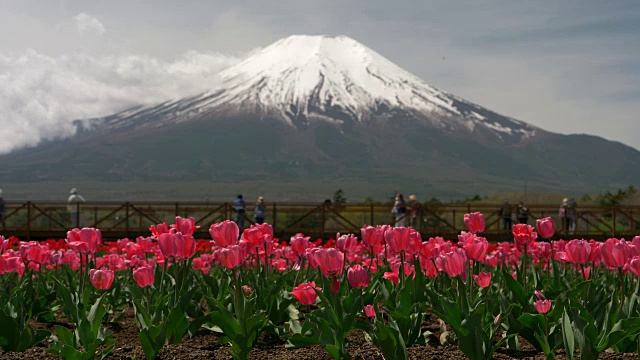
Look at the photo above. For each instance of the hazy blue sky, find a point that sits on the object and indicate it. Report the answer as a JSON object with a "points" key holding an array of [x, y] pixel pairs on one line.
{"points": [[566, 66]]}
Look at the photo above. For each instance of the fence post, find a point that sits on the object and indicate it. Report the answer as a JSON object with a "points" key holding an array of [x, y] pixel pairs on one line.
{"points": [[28, 220], [275, 213], [613, 216], [126, 214], [177, 209], [372, 209], [322, 220], [633, 222], [95, 216]]}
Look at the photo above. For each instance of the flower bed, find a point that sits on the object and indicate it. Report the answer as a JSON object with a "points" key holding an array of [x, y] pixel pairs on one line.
{"points": [[387, 294]]}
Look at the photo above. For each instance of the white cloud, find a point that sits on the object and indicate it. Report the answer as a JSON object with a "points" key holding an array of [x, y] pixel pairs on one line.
{"points": [[41, 95], [87, 24]]}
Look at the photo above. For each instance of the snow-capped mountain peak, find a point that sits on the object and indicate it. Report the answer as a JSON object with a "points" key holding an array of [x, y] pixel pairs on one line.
{"points": [[330, 78]]}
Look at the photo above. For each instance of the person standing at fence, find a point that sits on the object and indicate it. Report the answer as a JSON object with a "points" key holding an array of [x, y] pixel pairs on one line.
{"points": [[72, 206], [3, 211], [572, 215], [240, 207], [523, 213], [399, 211], [505, 212], [260, 212], [413, 206]]}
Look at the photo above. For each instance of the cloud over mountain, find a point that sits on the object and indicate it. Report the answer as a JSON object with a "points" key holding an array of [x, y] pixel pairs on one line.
{"points": [[41, 95]]}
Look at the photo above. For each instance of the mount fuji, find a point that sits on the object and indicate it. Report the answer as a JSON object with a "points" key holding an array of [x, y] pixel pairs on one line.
{"points": [[332, 113]]}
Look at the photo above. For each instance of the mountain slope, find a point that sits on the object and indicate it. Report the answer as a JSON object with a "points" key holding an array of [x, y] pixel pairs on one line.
{"points": [[329, 109]]}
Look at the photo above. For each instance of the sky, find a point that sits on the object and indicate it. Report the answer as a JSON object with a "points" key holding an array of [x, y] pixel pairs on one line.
{"points": [[565, 66]]}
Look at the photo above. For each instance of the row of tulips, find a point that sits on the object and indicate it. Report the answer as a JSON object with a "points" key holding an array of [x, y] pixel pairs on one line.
{"points": [[572, 294]]}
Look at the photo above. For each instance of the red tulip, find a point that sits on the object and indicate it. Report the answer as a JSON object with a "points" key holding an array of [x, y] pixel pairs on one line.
{"points": [[84, 241], [335, 286], [330, 261], [371, 236], [543, 306], [634, 265], [347, 243], [474, 222], [397, 238], [523, 235], [231, 256], [185, 226], [202, 265], [306, 293], [246, 289], [545, 227], [225, 233], [157, 230], [101, 279], [186, 246], [369, 311], [577, 251], [144, 275], [483, 279], [358, 277], [615, 253], [299, 244], [10, 264], [453, 263], [476, 247], [393, 276], [253, 236]]}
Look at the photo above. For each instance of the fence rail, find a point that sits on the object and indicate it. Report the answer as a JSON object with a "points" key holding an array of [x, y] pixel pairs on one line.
{"points": [[46, 219]]}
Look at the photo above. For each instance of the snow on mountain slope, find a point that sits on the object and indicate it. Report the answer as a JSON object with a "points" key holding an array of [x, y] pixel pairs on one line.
{"points": [[301, 77]]}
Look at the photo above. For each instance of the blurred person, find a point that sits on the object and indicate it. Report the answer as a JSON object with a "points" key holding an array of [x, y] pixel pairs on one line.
{"points": [[72, 206], [260, 212], [413, 206], [399, 211], [240, 207], [523, 213], [506, 211]]}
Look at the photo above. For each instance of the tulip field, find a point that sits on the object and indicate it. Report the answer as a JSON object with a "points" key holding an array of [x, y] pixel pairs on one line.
{"points": [[568, 298]]}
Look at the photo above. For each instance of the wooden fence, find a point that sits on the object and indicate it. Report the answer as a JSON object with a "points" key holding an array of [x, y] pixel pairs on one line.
{"points": [[44, 219]]}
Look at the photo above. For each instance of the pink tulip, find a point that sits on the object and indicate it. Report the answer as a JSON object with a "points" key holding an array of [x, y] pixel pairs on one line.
{"points": [[4, 244], [335, 286], [201, 264], [615, 253], [545, 227], [185, 226], [358, 277], [398, 239], [585, 273], [523, 235], [144, 275], [577, 251], [85, 240], [347, 243], [101, 279], [453, 263], [372, 236], [231, 256], [476, 247], [185, 245], [299, 244], [246, 289], [266, 229], [483, 279], [635, 246], [474, 222], [10, 264], [393, 276], [543, 306], [330, 261], [369, 311], [157, 230], [167, 244], [225, 233], [306, 293], [253, 236], [634, 265]]}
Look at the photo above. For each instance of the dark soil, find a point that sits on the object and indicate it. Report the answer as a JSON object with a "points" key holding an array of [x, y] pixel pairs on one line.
{"points": [[204, 346]]}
